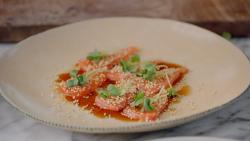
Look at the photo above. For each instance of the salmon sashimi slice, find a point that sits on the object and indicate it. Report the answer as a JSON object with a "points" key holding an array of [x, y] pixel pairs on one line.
{"points": [[96, 79], [150, 90], [159, 105], [107, 61], [152, 87], [117, 103], [117, 74]]}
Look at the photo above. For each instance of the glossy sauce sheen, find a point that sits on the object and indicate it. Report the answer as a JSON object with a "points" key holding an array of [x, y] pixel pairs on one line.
{"points": [[102, 113]]}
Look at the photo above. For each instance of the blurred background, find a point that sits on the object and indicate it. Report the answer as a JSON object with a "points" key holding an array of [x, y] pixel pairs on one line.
{"points": [[20, 19]]}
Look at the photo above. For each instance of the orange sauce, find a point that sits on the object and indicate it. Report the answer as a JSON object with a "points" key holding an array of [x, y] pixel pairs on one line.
{"points": [[102, 113]]}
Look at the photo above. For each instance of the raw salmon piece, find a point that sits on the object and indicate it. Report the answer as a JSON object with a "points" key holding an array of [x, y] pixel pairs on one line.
{"points": [[117, 74], [96, 79], [107, 61], [117, 103], [150, 91], [135, 113], [152, 87]]}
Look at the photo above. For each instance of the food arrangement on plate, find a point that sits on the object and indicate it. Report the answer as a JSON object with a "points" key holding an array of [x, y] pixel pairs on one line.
{"points": [[121, 86]]}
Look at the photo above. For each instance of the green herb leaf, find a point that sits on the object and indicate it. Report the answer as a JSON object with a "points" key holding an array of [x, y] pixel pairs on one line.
{"points": [[114, 91], [135, 58], [123, 92], [174, 93], [152, 108], [104, 94], [149, 67], [82, 79], [124, 65], [147, 104], [139, 73], [139, 95], [171, 92], [71, 83], [132, 68], [137, 102], [96, 56], [73, 73], [149, 75], [128, 68], [226, 35], [142, 109], [148, 71], [138, 99]]}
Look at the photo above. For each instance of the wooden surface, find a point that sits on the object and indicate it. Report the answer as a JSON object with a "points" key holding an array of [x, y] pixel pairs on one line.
{"points": [[20, 19]]}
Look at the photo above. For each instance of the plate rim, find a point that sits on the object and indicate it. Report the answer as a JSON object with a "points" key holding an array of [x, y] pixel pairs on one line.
{"points": [[120, 129], [193, 137]]}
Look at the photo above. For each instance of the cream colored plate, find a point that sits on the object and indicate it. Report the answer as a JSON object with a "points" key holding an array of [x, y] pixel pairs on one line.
{"points": [[192, 139], [29, 67]]}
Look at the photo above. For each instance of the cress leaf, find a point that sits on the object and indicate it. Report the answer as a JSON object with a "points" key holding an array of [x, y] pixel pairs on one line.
{"points": [[150, 78], [133, 104], [73, 73], [169, 90], [85, 78], [138, 99], [147, 104], [139, 95], [82, 79], [138, 102], [96, 56], [148, 75], [81, 83], [128, 68], [151, 100], [174, 92], [135, 58], [132, 68], [96, 59], [71, 83], [114, 91], [76, 82], [149, 71], [124, 65], [104, 94], [123, 92], [147, 66], [139, 73], [142, 109], [152, 68], [103, 53]]}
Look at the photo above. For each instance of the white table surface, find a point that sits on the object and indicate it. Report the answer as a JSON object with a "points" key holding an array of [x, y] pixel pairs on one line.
{"points": [[232, 122]]}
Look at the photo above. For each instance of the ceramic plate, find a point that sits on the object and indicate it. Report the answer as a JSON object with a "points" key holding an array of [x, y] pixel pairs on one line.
{"points": [[219, 71], [192, 139]]}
